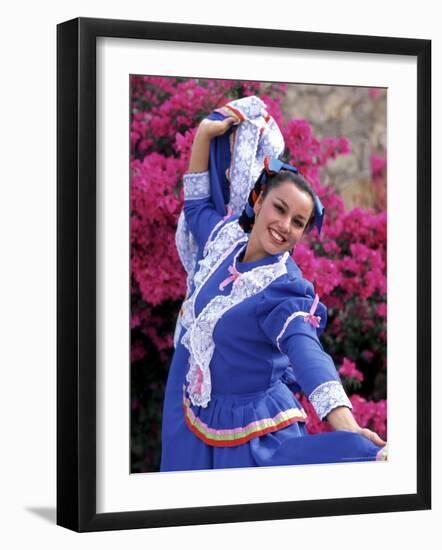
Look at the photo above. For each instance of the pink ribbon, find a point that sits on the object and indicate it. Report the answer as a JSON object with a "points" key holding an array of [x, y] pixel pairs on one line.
{"points": [[234, 275], [314, 320], [198, 381]]}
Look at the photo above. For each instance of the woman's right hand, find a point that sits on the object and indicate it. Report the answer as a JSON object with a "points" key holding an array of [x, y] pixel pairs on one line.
{"points": [[208, 129], [214, 128]]}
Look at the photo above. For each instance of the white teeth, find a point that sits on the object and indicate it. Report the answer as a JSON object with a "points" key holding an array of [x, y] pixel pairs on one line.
{"points": [[277, 236]]}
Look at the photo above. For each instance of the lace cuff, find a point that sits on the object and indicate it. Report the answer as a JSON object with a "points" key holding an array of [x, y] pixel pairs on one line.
{"points": [[196, 185], [327, 397]]}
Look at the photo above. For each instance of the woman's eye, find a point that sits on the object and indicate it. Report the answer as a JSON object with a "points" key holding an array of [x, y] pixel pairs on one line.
{"points": [[280, 209]]}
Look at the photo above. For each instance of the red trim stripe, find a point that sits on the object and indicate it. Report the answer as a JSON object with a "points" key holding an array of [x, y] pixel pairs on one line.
{"points": [[240, 441], [237, 113]]}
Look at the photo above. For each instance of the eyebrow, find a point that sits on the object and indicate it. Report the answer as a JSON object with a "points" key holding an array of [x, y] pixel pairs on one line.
{"points": [[300, 216]]}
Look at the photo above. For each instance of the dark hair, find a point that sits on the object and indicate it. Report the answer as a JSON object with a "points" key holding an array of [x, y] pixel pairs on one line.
{"points": [[247, 218]]}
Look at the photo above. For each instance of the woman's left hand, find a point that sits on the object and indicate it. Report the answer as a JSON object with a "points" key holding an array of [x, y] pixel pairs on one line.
{"points": [[341, 418], [372, 436]]}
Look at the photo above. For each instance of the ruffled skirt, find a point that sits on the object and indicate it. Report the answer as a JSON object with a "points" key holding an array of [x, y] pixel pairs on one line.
{"points": [[248, 431]]}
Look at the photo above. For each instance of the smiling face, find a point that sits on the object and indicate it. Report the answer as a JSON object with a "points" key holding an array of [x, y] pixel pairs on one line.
{"points": [[280, 220]]}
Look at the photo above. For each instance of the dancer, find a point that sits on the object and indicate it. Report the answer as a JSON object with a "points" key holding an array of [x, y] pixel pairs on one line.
{"points": [[248, 312]]}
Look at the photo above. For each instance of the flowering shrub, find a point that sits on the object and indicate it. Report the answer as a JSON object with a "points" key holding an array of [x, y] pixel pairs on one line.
{"points": [[347, 264]]}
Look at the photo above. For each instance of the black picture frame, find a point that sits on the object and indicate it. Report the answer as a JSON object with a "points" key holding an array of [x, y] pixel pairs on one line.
{"points": [[76, 273]]}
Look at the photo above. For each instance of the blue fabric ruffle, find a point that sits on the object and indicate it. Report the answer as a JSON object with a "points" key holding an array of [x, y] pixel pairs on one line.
{"points": [[235, 419]]}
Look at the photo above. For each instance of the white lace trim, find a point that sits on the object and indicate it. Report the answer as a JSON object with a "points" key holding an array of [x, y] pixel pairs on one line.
{"points": [[224, 243], [245, 147], [196, 185], [271, 144], [187, 247], [199, 336], [209, 240], [286, 324], [327, 397], [198, 339], [257, 136]]}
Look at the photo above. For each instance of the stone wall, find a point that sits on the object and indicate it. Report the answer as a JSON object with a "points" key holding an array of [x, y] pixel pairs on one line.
{"points": [[354, 112]]}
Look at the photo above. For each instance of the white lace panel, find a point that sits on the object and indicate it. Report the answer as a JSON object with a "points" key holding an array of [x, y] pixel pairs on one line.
{"points": [[223, 244], [246, 144], [198, 339], [186, 245], [327, 397], [256, 137], [209, 240], [272, 141], [196, 185], [199, 336], [176, 332]]}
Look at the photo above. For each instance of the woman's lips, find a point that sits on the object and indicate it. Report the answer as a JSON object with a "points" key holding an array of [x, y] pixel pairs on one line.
{"points": [[274, 239]]}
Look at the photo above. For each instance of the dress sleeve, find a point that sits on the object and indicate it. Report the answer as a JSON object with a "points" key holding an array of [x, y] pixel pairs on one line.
{"points": [[286, 318], [199, 211]]}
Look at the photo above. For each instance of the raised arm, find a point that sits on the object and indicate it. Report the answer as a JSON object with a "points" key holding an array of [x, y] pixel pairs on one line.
{"points": [[207, 130]]}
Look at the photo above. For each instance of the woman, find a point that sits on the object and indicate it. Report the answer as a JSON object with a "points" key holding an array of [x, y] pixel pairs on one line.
{"points": [[227, 401]]}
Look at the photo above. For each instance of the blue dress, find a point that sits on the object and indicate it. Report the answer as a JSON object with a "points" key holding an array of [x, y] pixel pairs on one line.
{"points": [[229, 400]]}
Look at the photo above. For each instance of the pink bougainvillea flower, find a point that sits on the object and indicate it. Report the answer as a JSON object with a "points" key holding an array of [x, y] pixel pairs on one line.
{"points": [[349, 369]]}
